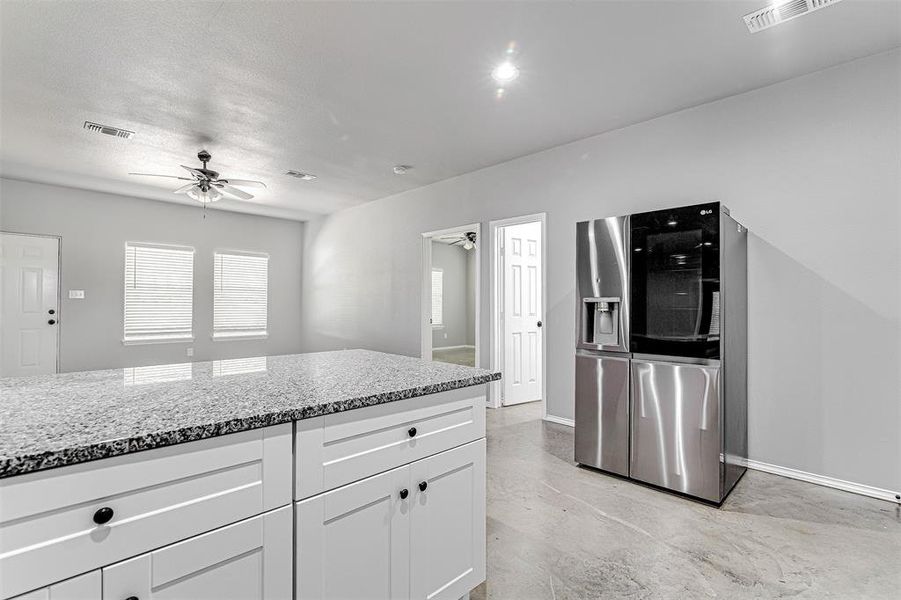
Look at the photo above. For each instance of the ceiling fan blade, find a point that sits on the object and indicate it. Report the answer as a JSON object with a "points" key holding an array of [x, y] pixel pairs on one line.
{"points": [[197, 174], [233, 191], [243, 183], [184, 189], [156, 175]]}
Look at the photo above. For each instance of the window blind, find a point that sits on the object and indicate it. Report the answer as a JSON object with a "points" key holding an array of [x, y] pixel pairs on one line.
{"points": [[240, 294], [437, 297], [159, 293]]}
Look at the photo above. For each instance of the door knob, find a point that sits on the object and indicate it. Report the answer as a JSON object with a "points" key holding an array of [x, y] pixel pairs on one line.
{"points": [[103, 515], [51, 322], [404, 493], [423, 485], [539, 323]]}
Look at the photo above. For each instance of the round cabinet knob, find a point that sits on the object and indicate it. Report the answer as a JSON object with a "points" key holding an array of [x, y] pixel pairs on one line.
{"points": [[132, 598], [51, 312], [103, 515], [423, 485], [51, 322], [404, 493], [539, 323], [411, 432]]}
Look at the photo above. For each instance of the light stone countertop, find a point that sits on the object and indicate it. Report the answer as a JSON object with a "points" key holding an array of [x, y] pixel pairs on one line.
{"points": [[69, 418]]}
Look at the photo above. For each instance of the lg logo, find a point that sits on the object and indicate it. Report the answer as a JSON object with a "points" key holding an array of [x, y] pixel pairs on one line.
{"points": [[706, 212]]}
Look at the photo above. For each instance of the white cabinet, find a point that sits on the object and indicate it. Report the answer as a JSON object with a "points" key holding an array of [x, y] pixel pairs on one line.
{"points": [[336, 449], [83, 587], [59, 523], [447, 532], [390, 505], [249, 560], [353, 542], [417, 531]]}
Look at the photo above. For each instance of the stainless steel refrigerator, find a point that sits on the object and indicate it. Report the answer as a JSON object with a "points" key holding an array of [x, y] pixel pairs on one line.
{"points": [[661, 351]]}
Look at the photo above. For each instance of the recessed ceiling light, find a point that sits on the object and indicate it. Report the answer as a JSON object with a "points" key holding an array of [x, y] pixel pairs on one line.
{"points": [[401, 169], [109, 130], [301, 175], [505, 72]]}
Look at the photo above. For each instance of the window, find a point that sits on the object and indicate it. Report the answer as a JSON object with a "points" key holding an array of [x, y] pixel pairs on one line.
{"points": [[240, 294], [159, 293], [437, 297]]}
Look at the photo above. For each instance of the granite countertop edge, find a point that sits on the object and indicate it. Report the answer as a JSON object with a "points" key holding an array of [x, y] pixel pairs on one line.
{"points": [[12, 466]]}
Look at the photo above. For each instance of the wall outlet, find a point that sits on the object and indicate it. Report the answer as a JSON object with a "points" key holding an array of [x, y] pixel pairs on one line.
{"points": [[76, 294], [189, 352]]}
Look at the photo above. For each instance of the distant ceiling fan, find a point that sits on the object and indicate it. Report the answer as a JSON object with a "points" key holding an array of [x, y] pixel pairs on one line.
{"points": [[205, 184], [467, 240]]}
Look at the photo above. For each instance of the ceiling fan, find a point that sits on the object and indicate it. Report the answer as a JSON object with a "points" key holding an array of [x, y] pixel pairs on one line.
{"points": [[205, 184], [467, 240]]}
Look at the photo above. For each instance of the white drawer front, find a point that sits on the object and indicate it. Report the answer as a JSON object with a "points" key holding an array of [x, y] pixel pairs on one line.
{"points": [[47, 528], [249, 560], [337, 449]]}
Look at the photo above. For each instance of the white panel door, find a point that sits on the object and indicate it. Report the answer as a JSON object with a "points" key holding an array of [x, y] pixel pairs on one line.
{"points": [[353, 543], [448, 523], [29, 283], [250, 560], [83, 587], [522, 313]]}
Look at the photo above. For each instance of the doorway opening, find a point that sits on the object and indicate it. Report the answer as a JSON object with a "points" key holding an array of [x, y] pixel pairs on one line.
{"points": [[29, 334], [518, 299], [450, 295]]}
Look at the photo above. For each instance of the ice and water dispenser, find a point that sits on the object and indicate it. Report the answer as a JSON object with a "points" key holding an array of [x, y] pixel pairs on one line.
{"points": [[600, 321]]}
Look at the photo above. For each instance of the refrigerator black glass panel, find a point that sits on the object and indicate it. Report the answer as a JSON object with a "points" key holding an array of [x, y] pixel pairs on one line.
{"points": [[675, 282]]}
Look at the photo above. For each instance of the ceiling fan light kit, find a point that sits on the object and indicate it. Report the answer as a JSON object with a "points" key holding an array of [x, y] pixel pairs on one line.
{"points": [[205, 185]]}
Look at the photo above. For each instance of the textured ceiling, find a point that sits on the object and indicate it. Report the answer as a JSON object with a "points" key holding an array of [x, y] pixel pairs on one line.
{"points": [[347, 90]]}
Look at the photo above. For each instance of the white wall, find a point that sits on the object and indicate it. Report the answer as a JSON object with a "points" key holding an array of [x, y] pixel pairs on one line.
{"points": [[94, 228], [810, 165]]}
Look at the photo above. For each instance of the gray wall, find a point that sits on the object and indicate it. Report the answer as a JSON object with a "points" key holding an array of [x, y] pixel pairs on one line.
{"points": [[471, 270], [94, 228], [810, 165], [453, 260]]}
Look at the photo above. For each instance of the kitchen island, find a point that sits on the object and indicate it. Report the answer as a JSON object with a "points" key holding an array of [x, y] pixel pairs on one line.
{"points": [[327, 475]]}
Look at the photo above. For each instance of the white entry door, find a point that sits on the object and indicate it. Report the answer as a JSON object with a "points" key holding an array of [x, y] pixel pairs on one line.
{"points": [[522, 313], [29, 293]]}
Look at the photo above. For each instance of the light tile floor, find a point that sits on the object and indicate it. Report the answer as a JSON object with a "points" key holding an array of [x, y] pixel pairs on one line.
{"points": [[559, 531]]}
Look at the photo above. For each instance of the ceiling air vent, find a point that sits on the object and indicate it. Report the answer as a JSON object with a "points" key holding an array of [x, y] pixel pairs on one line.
{"points": [[109, 130], [782, 11], [301, 175]]}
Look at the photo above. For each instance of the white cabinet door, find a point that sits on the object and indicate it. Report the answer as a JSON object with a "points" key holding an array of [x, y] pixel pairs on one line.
{"points": [[448, 523], [83, 587], [353, 543], [250, 560]]}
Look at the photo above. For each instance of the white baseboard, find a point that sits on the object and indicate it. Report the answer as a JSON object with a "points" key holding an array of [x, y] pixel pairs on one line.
{"points": [[453, 347], [839, 484], [560, 420]]}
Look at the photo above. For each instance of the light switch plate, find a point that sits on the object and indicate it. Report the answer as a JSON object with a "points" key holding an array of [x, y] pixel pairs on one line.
{"points": [[76, 294]]}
